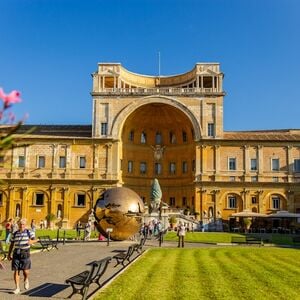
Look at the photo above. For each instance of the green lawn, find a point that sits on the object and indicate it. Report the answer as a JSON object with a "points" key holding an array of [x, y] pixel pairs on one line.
{"points": [[225, 237], [210, 273]]}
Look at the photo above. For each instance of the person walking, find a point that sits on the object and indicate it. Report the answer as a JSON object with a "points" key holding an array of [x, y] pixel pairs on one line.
{"points": [[20, 248], [181, 234]]}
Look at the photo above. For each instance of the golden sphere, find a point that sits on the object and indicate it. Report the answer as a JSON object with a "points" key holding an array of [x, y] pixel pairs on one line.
{"points": [[119, 210]]}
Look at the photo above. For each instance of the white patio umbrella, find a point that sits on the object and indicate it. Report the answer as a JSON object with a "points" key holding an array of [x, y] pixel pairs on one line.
{"points": [[284, 214], [248, 214]]}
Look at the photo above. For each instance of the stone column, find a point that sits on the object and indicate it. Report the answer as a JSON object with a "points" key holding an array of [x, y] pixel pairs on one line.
{"points": [[68, 160], [65, 205], [202, 192], [259, 200], [95, 161], [11, 201], [93, 196], [289, 161], [108, 159], [203, 160], [52, 199], [244, 195], [290, 201], [260, 157], [217, 159], [24, 203], [246, 160]]}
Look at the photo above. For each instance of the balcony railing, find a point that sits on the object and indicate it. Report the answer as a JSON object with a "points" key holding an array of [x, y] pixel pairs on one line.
{"points": [[158, 91]]}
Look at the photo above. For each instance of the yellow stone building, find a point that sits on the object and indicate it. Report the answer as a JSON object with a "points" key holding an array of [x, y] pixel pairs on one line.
{"points": [[145, 127]]}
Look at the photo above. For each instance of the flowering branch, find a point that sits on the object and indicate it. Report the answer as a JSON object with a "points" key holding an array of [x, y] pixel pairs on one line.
{"points": [[7, 139]]}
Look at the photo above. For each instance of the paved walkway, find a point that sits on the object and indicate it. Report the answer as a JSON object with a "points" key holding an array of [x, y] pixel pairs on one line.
{"points": [[51, 269]]}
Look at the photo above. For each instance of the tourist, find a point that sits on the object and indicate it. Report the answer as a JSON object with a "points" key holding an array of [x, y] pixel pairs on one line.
{"points": [[33, 226], [8, 230], [87, 231], [181, 234], [20, 247], [78, 228]]}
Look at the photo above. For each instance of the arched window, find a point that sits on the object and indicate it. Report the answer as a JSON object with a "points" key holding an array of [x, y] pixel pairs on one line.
{"points": [[172, 138], [143, 137], [158, 138], [131, 135]]}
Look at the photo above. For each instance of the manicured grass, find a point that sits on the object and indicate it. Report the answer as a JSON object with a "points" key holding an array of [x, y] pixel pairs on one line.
{"points": [[225, 237], [210, 273]]}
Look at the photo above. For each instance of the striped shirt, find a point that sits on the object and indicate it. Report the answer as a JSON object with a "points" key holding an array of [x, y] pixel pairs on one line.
{"points": [[21, 239]]}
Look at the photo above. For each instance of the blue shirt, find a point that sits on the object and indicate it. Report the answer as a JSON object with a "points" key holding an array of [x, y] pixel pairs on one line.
{"points": [[21, 239]]}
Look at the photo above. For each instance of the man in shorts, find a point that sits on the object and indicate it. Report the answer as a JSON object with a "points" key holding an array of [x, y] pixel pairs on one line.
{"points": [[20, 246]]}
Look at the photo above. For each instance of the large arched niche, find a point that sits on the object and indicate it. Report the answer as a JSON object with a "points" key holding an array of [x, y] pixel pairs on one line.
{"points": [[121, 118], [167, 152]]}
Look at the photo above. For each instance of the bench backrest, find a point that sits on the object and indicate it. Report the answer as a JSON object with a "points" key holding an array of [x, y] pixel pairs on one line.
{"points": [[101, 266], [129, 252]]}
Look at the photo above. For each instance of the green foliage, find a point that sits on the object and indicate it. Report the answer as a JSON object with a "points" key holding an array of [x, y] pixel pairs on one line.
{"points": [[51, 217], [172, 220]]}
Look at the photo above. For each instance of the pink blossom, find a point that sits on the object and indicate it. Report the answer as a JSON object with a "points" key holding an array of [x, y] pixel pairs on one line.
{"points": [[12, 97]]}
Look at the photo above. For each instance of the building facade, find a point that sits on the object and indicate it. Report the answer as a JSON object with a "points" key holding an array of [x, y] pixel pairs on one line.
{"points": [[146, 127]]}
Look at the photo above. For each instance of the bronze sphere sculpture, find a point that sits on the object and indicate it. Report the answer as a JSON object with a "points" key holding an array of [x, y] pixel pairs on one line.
{"points": [[119, 211]]}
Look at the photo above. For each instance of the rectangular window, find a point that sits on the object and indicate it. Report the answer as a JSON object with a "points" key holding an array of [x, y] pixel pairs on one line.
{"points": [[184, 167], [143, 138], [1, 161], [131, 135], [297, 165], [41, 162], [143, 167], [211, 129], [172, 169], [103, 128], [232, 163], [80, 200], [172, 201], [253, 200], [184, 201], [130, 166], [21, 161], [39, 199], [82, 162], [231, 202], [62, 162], [276, 202], [253, 164], [184, 136], [275, 164], [157, 168]]}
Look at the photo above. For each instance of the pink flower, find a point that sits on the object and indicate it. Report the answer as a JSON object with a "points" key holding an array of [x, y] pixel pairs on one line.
{"points": [[12, 97]]}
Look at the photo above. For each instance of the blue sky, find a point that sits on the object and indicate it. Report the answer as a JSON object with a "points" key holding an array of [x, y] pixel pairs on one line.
{"points": [[49, 48]]}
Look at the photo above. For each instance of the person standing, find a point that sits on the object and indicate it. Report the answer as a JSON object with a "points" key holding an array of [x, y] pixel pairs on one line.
{"points": [[33, 226], [20, 244], [87, 231], [181, 234], [8, 230]]}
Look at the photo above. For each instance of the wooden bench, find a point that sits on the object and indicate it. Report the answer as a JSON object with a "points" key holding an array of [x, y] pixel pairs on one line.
{"points": [[122, 257], [3, 252], [139, 247], [47, 243], [296, 239], [102, 265], [246, 240]]}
